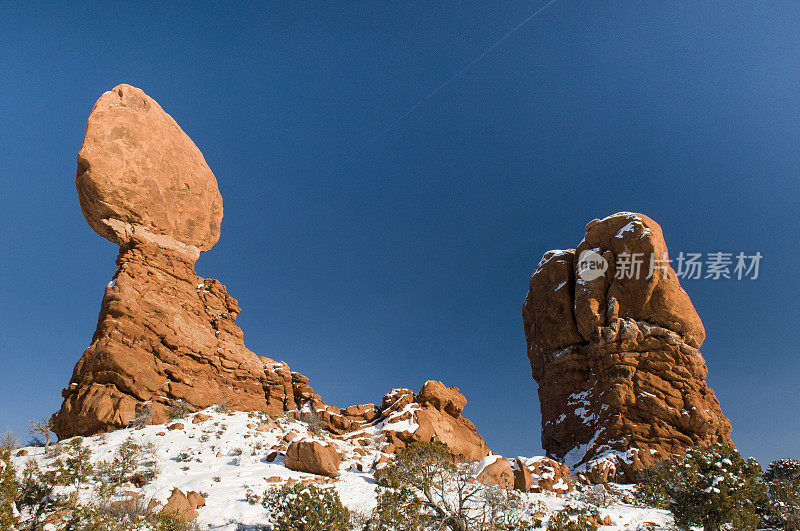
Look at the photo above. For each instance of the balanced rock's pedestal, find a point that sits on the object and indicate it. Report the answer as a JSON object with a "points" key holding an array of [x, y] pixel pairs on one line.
{"points": [[615, 354]]}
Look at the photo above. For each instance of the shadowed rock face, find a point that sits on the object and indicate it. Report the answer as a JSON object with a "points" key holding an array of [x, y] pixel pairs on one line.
{"points": [[165, 335], [621, 382]]}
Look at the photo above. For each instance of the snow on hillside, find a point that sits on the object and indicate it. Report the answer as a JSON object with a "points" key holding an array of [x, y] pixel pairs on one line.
{"points": [[228, 455]]}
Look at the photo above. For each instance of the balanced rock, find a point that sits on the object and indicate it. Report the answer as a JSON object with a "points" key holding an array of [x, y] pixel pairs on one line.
{"points": [[613, 344], [165, 335], [167, 342]]}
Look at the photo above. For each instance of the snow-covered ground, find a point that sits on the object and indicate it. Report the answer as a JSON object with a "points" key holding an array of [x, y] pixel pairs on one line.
{"points": [[228, 455]]}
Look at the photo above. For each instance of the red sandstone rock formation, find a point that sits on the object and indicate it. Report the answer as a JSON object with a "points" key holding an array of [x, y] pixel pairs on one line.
{"points": [[167, 338], [621, 380], [403, 418], [164, 333]]}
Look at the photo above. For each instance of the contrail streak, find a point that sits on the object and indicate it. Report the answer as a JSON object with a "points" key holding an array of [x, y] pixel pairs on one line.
{"points": [[459, 73]]}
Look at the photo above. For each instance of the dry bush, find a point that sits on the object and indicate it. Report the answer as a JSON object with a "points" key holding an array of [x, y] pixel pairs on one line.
{"points": [[9, 441], [179, 409]]}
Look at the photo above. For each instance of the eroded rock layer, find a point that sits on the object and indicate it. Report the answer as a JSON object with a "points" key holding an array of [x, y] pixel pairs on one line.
{"points": [[614, 348]]}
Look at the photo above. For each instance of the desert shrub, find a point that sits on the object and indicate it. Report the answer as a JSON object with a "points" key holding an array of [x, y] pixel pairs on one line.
{"points": [[424, 486], [167, 522], [76, 467], [179, 409], [114, 474], [42, 427], [8, 490], [142, 416], [561, 521], [597, 496], [711, 487], [502, 509], [783, 488], [126, 460], [9, 441], [651, 486], [88, 518], [783, 470], [397, 509], [359, 520], [306, 508], [35, 490], [132, 463], [314, 421]]}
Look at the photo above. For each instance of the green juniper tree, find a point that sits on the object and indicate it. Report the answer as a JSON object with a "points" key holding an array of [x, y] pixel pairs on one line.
{"points": [[783, 486], [712, 487], [306, 508], [8, 490]]}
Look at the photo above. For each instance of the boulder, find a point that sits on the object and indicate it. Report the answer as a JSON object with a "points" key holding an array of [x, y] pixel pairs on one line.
{"points": [[439, 396], [313, 457], [179, 505], [196, 499], [496, 471], [523, 480], [140, 175], [459, 434], [615, 353], [549, 475]]}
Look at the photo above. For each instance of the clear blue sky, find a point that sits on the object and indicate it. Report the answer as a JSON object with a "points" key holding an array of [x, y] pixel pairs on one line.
{"points": [[370, 263]]}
